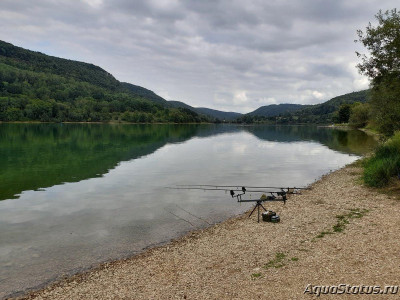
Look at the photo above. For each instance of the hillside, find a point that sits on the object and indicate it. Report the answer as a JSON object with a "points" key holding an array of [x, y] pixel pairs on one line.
{"points": [[143, 92], [218, 114], [275, 109], [325, 112], [322, 113], [27, 60], [35, 86], [211, 113], [179, 104]]}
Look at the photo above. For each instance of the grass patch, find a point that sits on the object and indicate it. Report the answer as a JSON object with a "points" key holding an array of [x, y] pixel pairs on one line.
{"points": [[277, 262], [322, 234], [280, 260], [384, 164], [256, 275], [342, 221]]}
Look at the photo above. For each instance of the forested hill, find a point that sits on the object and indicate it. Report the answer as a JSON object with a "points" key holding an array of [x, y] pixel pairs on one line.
{"points": [[143, 92], [38, 62], [319, 113], [275, 109], [35, 86], [211, 113], [327, 112], [218, 114]]}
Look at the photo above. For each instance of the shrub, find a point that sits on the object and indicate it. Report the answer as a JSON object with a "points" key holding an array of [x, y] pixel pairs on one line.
{"points": [[384, 164]]}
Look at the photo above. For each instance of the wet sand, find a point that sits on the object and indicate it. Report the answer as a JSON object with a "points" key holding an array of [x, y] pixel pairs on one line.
{"points": [[339, 232]]}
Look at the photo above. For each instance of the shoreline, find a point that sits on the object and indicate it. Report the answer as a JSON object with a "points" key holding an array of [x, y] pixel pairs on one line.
{"points": [[172, 123], [105, 122], [242, 259]]}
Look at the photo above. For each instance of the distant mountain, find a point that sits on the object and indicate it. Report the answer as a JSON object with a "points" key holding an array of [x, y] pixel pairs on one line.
{"points": [[218, 114], [213, 113], [295, 113], [275, 109]]}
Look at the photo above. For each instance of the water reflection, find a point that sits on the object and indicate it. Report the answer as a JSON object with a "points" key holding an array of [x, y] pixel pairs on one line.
{"points": [[34, 156], [346, 141]]}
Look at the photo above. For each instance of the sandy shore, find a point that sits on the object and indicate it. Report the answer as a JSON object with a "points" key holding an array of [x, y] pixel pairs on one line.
{"points": [[241, 259]]}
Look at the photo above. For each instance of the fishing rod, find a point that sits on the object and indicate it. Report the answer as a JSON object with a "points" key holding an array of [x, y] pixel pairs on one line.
{"points": [[243, 189], [238, 185], [221, 189], [237, 192]]}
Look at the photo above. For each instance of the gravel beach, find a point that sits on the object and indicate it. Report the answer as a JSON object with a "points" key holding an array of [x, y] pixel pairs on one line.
{"points": [[339, 232]]}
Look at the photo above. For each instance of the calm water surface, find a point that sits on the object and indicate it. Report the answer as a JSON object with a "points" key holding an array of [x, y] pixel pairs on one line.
{"points": [[75, 195]]}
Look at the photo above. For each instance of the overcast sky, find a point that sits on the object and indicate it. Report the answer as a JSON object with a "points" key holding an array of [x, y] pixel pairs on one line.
{"points": [[224, 54]]}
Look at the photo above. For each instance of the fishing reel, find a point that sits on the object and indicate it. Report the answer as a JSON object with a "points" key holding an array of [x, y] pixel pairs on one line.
{"points": [[238, 195]]}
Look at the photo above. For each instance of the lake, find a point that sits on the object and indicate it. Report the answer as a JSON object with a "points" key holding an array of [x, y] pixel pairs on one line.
{"points": [[75, 195]]}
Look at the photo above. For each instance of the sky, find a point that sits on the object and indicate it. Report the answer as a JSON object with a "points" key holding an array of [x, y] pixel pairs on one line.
{"points": [[229, 55]]}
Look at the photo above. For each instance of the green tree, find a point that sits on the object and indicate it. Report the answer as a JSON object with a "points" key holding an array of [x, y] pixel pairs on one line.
{"points": [[382, 66], [359, 115], [12, 114], [344, 113]]}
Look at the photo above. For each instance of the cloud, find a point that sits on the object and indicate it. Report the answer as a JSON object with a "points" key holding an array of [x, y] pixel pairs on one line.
{"points": [[94, 3], [267, 101], [318, 95], [226, 54], [239, 98]]}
